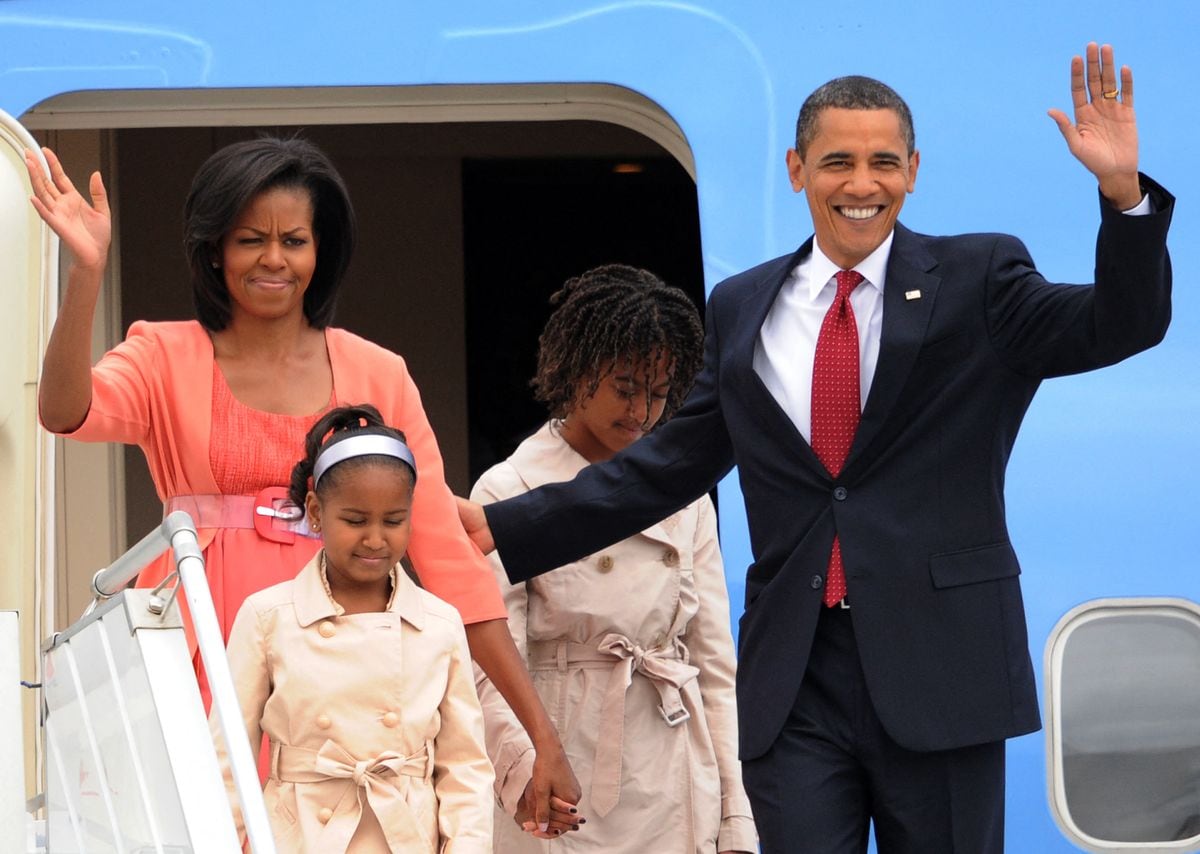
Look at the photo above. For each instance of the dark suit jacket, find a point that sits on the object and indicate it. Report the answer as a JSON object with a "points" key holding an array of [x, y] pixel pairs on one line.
{"points": [[919, 506]]}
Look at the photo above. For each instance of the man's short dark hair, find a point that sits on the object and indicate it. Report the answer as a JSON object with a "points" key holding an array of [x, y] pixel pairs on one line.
{"points": [[227, 181], [852, 93]]}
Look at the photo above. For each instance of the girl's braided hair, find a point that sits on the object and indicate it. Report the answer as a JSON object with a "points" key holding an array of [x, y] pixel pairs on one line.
{"points": [[613, 316]]}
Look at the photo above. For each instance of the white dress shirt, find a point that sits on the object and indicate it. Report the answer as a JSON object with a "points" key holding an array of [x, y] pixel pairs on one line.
{"points": [[787, 342]]}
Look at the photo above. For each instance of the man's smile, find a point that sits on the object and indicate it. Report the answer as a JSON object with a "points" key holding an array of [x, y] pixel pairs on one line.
{"points": [[858, 212]]}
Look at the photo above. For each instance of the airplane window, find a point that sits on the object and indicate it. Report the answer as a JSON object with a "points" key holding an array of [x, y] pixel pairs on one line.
{"points": [[1123, 724]]}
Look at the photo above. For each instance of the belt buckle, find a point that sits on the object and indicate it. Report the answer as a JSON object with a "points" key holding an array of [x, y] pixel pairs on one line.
{"points": [[272, 505], [675, 718]]}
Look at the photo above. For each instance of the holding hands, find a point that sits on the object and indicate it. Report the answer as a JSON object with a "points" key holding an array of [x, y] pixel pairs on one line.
{"points": [[1103, 136], [562, 816], [85, 228]]}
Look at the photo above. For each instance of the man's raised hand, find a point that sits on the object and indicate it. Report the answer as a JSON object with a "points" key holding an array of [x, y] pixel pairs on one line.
{"points": [[1103, 135]]}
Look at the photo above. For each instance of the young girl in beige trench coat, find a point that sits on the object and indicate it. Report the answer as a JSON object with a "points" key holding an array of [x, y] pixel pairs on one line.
{"points": [[361, 680], [630, 648]]}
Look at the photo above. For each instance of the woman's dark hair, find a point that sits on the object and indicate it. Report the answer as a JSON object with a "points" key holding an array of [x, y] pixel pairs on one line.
{"points": [[333, 427], [615, 315], [226, 183]]}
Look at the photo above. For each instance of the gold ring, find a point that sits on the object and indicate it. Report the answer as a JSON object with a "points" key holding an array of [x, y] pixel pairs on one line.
{"points": [[1110, 94]]}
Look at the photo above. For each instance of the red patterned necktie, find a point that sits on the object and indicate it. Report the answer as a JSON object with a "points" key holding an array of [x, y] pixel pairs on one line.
{"points": [[835, 404]]}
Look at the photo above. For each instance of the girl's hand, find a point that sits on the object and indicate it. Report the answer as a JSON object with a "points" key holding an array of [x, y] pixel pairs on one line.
{"points": [[85, 228], [551, 796], [563, 816]]}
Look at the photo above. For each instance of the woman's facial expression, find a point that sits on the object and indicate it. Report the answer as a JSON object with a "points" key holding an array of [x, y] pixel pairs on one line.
{"points": [[625, 406], [364, 519], [269, 254]]}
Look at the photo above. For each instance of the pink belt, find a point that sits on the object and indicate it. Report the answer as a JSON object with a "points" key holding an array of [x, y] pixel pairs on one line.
{"points": [[271, 513]]}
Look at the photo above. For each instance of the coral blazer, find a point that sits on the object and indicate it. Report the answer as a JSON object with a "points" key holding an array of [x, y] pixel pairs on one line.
{"points": [[154, 390]]}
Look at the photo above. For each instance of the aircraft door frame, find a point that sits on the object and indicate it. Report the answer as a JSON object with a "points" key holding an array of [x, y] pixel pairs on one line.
{"points": [[28, 258]]}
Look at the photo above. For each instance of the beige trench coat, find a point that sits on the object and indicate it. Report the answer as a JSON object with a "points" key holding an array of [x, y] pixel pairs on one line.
{"points": [[616, 644], [376, 731]]}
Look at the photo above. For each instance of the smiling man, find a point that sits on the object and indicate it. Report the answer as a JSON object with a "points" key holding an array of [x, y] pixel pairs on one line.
{"points": [[869, 388], [855, 165]]}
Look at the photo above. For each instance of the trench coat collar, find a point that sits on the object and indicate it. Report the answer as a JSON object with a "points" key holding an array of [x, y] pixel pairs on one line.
{"points": [[313, 602], [545, 457]]}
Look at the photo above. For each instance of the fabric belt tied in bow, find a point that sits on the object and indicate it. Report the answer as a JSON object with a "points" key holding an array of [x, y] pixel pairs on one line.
{"points": [[667, 669], [332, 762]]}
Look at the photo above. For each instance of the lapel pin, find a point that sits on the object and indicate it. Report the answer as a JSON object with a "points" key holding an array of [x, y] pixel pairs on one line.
{"points": [[911, 295]]}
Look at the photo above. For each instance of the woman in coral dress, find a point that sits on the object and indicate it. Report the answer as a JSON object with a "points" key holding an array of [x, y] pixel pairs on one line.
{"points": [[220, 405]]}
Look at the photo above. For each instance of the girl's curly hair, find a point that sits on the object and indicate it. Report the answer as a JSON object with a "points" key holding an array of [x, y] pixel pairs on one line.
{"points": [[611, 316]]}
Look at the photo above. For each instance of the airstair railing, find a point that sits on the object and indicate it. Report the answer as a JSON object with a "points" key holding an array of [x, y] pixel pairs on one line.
{"points": [[92, 710]]}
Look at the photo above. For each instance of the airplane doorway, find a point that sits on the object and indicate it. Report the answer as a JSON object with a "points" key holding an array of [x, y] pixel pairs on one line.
{"points": [[529, 225]]}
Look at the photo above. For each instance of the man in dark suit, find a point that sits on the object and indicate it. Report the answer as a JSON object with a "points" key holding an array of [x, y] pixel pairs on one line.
{"points": [[869, 388]]}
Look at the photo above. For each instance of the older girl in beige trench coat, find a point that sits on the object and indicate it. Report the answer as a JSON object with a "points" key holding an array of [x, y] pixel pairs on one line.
{"points": [[630, 649]]}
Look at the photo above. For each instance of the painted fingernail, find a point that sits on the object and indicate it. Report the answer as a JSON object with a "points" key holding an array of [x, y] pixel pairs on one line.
{"points": [[543, 826], [573, 811]]}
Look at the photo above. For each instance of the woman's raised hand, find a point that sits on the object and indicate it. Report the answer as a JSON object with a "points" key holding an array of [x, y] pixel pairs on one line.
{"points": [[85, 228], [65, 390]]}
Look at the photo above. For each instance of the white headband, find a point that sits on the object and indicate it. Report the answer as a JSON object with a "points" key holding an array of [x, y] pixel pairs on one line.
{"points": [[361, 446]]}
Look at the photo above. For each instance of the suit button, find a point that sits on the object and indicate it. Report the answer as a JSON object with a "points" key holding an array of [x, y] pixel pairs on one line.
{"points": [[390, 719], [840, 493], [606, 563], [671, 557], [815, 582], [324, 722], [326, 629], [324, 814]]}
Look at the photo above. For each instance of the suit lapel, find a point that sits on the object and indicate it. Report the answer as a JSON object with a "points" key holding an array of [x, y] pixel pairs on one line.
{"points": [[757, 304], [908, 298]]}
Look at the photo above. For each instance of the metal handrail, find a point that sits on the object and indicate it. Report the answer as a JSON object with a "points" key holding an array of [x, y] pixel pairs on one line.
{"points": [[178, 532]]}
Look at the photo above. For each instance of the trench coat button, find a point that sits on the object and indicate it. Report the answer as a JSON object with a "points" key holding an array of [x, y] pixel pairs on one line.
{"points": [[840, 493], [324, 722], [606, 563], [816, 582], [324, 814], [390, 719], [326, 629], [671, 557]]}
